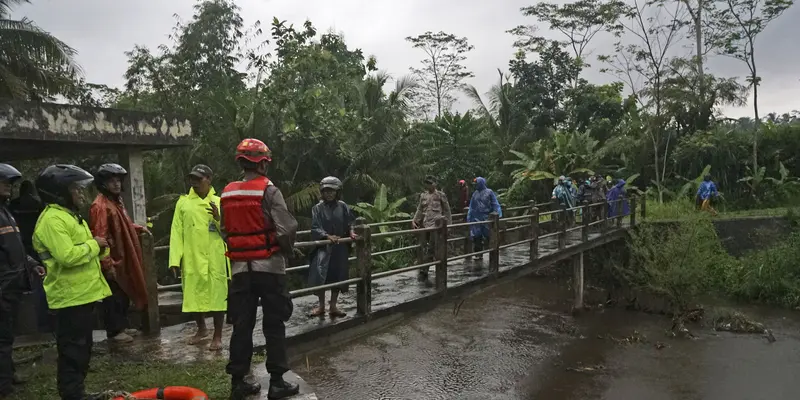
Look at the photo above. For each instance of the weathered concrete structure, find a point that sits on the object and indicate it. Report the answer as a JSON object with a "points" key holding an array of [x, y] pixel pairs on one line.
{"points": [[44, 130]]}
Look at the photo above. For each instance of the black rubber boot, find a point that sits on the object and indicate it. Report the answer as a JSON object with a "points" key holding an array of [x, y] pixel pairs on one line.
{"points": [[241, 389], [282, 389]]}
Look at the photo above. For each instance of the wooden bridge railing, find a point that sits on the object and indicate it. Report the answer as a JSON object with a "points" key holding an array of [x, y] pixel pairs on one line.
{"points": [[528, 223]]}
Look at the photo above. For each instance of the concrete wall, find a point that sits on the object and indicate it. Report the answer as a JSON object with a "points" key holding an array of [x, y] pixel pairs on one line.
{"points": [[40, 130], [741, 235]]}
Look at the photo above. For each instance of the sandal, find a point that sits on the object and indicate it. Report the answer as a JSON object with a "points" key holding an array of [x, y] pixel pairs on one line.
{"points": [[317, 312]]}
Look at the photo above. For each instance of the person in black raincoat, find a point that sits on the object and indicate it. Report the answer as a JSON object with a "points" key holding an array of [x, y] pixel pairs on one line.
{"points": [[15, 267], [26, 209], [331, 219]]}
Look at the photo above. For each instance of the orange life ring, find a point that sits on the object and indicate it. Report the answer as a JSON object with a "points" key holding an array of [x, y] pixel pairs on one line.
{"points": [[170, 393]]}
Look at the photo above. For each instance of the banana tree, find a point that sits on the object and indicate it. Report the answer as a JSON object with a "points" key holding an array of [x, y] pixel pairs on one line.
{"points": [[381, 210]]}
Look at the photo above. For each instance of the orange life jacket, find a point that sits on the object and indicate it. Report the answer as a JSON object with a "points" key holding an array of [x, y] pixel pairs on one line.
{"points": [[248, 234]]}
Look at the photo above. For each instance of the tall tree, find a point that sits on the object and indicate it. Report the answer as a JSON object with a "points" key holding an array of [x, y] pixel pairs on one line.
{"points": [[644, 66], [442, 71], [578, 21], [742, 21], [33, 63]]}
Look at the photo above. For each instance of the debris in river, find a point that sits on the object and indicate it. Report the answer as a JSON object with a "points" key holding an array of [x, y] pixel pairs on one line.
{"points": [[587, 368], [635, 337], [768, 334], [736, 322], [660, 345]]}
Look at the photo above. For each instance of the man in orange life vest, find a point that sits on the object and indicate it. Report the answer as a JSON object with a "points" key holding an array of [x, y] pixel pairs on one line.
{"points": [[260, 233]]}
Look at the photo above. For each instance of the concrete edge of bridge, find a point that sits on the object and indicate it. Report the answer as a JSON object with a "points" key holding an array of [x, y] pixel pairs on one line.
{"points": [[310, 342]]}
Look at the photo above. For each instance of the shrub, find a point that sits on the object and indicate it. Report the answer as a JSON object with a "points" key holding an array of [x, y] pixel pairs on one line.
{"points": [[677, 261]]}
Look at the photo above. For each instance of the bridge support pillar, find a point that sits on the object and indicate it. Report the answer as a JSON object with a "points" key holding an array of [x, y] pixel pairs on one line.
{"points": [[577, 281]]}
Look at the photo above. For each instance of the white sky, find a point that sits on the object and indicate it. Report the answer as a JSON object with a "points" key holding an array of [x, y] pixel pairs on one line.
{"points": [[102, 30]]}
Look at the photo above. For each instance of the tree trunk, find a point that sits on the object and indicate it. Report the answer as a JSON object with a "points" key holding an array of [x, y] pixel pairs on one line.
{"points": [[698, 36], [756, 82], [757, 126]]}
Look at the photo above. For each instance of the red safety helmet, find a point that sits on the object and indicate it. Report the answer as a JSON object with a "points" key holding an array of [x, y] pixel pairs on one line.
{"points": [[253, 150]]}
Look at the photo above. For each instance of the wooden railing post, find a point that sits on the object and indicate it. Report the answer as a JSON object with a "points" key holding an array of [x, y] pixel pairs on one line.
{"points": [[441, 254], [644, 207], [467, 240], [494, 243], [502, 226], [151, 321], [585, 223], [562, 228], [633, 210], [618, 217], [533, 234], [421, 242], [604, 217], [364, 262]]}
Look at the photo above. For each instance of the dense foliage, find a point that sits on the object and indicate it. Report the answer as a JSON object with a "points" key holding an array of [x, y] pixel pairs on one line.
{"points": [[327, 109]]}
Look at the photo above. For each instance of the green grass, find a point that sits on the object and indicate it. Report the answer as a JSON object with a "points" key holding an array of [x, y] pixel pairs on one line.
{"points": [[683, 210], [109, 372]]}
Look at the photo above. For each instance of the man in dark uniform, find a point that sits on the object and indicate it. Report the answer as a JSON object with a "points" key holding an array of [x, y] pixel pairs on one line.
{"points": [[15, 265], [260, 233]]}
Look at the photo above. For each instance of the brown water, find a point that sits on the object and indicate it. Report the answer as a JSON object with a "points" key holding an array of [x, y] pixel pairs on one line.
{"points": [[515, 341]]}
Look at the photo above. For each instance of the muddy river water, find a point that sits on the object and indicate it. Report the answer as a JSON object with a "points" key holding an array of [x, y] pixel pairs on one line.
{"points": [[516, 341]]}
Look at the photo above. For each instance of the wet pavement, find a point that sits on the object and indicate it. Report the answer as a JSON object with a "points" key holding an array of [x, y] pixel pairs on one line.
{"points": [[517, 341], [386, 293]]}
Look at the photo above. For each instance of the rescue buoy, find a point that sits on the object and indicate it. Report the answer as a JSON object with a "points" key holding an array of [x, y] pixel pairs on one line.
{"points": [[170, 393]]}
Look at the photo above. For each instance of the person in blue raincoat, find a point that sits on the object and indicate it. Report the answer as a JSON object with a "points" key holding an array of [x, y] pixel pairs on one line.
{"points": [[562, 197], [706, 192], [483, 202], [616, 207]]}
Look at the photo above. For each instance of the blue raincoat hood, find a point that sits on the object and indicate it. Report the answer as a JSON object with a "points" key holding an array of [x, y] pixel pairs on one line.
{"points": [[480, 183]]}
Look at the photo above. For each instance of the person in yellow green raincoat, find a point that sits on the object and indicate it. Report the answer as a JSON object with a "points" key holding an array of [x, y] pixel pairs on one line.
{"points": [[197, 250], [74, 281]]}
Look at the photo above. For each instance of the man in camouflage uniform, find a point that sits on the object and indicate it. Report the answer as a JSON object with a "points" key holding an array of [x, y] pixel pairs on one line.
{"points": [[432, 206]]}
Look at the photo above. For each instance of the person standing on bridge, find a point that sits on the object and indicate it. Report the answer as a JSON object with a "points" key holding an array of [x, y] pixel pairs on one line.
{"points": [[74, 281], [432, 206], [16, 266], [618, 200], [331, 219], [562, 198], [483, 202], [197, 250], [260, 233], [463, 195], [123, 267]]}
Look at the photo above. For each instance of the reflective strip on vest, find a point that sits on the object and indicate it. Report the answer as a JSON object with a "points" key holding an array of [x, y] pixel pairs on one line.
{"points": [[255, 193]]}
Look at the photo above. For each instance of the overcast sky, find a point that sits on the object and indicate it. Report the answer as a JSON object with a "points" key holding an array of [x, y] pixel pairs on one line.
{"points": [[102, 30]]}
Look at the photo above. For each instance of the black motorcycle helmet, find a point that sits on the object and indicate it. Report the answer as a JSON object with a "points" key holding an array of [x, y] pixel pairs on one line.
{"points": [[54, 182], [9, 173], [106, 171]]}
